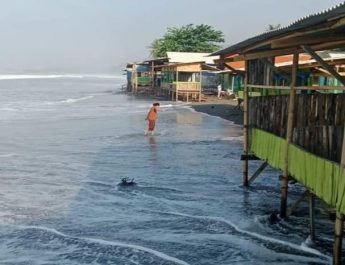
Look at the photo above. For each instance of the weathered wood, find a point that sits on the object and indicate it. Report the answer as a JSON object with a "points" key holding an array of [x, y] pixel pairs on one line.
{"points": [[245, 123], [319, 121], [258, 172], [294, 206], [312, 216], [249, 157], [276, 69], [324, 64], [338, 233], [339, 222], [289, 133]]}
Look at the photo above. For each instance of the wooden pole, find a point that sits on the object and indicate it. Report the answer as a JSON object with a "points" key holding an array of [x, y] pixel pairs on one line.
{"points": [[291, 111], [245, 125], [200, 89], [258, 172], [153, 76], [338, 233], [339, 222], [324, 64], [177, 86], [312, 216]]}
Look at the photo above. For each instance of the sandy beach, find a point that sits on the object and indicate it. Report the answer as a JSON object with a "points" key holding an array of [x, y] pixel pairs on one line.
{"points": [[224, 108]]}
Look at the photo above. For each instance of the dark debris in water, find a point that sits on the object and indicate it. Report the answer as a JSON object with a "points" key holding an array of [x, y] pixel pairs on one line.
{"points": [[126, 182]]}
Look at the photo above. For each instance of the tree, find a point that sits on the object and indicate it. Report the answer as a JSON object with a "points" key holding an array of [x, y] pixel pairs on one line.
{"points": [[273, 27], [189, 38]]}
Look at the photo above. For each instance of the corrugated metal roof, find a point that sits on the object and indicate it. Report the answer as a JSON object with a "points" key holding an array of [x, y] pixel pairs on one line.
{"points": [[189, 57], [311, 20]]}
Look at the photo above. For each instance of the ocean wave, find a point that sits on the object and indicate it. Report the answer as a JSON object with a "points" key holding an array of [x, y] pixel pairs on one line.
{"points": [[109, 243], [73, 100], [9, 109], [301, 247], [8, 155], [56, 76]]}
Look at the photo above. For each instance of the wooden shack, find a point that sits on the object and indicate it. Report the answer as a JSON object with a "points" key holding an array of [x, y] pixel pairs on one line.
{"points": [[301, 133], [182, 81], [139, 76]]}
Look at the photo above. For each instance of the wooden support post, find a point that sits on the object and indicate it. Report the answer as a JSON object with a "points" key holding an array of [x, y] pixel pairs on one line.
{"points": [[295, 205], [338, 233], [312, 216], [324, 64], [339, 222], [153, 76], [290, 125], [245, 125], [200, 88], [258, 172], [276, 69]]}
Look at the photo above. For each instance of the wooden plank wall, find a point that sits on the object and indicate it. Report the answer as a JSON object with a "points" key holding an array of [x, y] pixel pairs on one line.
{"points": [[319, 121]]}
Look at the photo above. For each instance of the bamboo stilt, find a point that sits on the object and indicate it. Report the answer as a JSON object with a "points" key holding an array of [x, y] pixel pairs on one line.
{"points": [[291, 110], [258, 172], [339, 223], [312, 216], [245, 125], [338, 233]]}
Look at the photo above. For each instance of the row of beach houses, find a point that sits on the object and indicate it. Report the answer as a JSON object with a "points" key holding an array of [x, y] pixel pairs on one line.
{"points": [[292, 81], [194, 76]]}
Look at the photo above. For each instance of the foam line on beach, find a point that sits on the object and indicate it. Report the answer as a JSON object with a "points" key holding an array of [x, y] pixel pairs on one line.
{"points": [[74, 100], [110, 243], [55, 76], [256, 235]]}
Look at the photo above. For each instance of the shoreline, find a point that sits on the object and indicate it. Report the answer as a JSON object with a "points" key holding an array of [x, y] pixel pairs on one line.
{"points": [[223, 108]]}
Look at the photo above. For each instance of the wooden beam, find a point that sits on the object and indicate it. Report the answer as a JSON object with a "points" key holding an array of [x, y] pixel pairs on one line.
{"points": [[229, 60], [239, 72], [249, 157], [286, 51], [269, 53], [312, 216], [290, 125], [322, 70], [339, 23], [258, 172], [294, 206], [324, 64], [305, 40], [275, 69], [245, 125]]}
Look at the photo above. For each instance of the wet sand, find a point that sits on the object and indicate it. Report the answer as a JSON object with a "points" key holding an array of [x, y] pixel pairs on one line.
{"points": [[224, 108]]}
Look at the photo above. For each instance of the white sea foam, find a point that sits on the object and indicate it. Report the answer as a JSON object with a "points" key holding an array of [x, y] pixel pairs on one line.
{"points": [[73, 100], [9, 109], [301, 247], [110, 243], [55, 76], [8, 155], [232, 138]]}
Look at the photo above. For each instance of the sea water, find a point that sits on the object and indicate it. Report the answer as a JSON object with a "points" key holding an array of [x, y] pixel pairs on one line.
{"points": [[66, 142]]}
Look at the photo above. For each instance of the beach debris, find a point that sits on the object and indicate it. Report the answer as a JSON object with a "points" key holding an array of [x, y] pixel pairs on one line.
{"points": [[127, 182], [273, 218]]}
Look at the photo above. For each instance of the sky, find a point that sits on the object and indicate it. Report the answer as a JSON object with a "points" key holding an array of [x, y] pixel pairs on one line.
{"points": [[100, 36]]}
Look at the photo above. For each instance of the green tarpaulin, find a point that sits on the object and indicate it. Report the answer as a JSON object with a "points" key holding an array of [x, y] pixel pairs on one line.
{"points": [[325, 178]]}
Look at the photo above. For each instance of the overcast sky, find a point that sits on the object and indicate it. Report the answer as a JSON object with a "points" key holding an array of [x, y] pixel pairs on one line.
{"points": [[100, 35]]}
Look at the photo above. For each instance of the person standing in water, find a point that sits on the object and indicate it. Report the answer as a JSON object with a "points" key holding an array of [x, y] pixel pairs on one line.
{"points": [[151, 117]]}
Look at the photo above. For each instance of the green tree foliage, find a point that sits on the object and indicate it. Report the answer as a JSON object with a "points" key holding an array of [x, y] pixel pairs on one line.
{"points": [[189, 38]]}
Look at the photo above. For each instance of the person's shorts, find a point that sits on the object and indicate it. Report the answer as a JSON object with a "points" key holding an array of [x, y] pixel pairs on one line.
{"points": [[152, 124]]}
